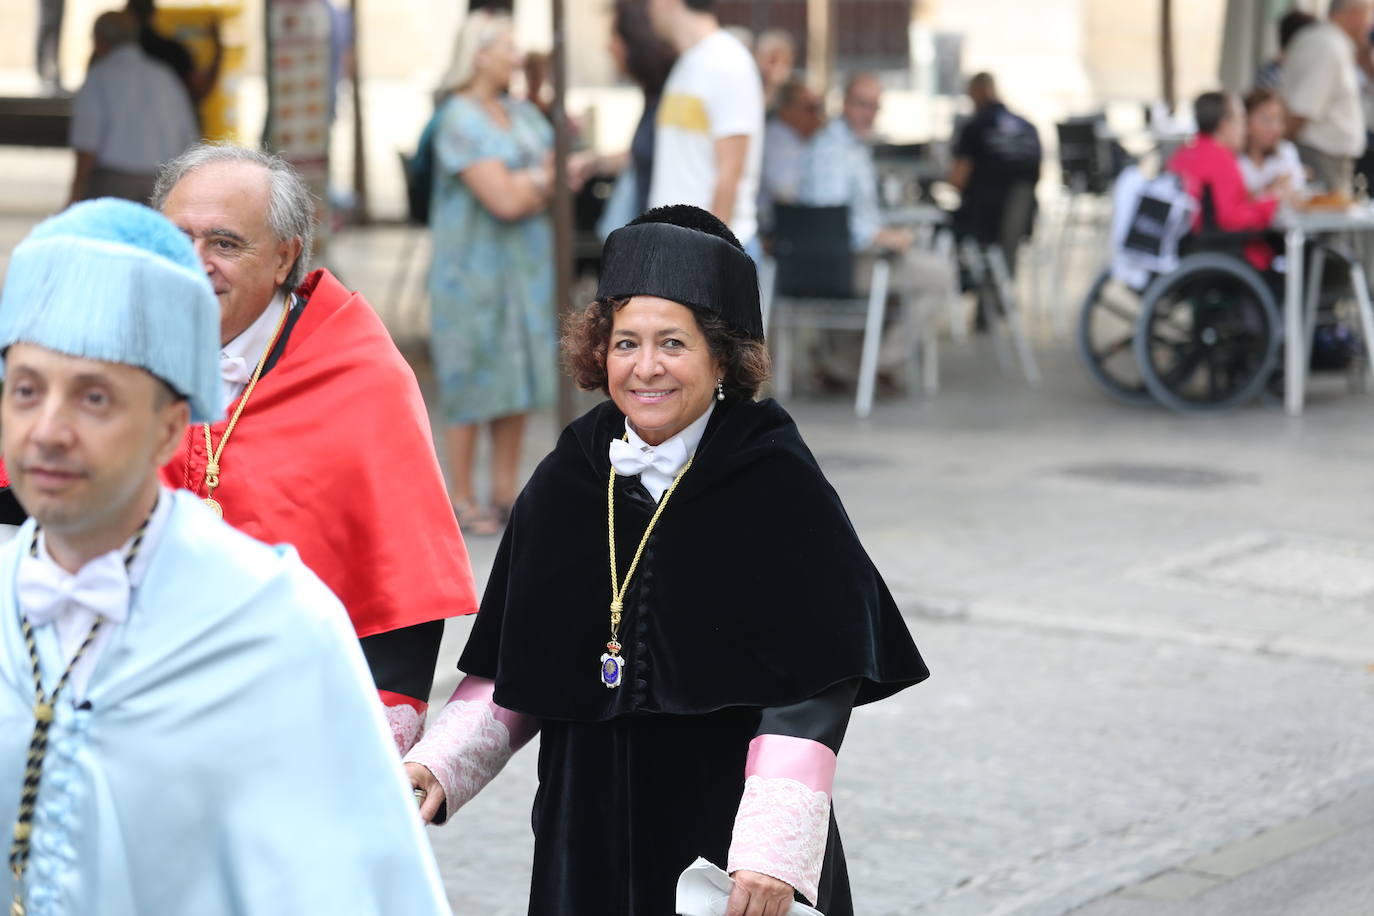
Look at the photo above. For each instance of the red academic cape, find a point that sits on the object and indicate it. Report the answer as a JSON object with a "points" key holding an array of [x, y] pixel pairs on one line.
{"points": [[334, 455]]}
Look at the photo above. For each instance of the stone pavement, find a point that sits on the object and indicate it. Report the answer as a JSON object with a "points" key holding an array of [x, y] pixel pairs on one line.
{"points": [[1314, 866]]}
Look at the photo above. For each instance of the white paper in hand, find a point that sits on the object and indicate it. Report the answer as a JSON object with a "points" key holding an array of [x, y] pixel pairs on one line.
{"points": [[704, 890]]}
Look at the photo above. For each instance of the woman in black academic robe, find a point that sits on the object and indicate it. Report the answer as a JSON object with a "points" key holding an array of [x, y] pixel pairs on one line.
{"points": [[695, 707]]}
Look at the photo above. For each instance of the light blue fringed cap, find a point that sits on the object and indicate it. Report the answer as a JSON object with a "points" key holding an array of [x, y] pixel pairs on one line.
{"points": [[115, 281]]}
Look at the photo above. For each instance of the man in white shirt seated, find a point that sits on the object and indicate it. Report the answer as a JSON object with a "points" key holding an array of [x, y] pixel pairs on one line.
{"points": [[187, 724], [131, 115], [708, 145], [839, 171], [1321, 86], [799, 114]]}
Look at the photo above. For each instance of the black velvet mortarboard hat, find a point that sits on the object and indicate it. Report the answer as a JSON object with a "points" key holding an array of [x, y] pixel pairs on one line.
{"points": [[662, 253]]}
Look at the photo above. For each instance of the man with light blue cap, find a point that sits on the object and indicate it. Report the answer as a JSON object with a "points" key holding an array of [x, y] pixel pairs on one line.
{"points": [[162, 675]]}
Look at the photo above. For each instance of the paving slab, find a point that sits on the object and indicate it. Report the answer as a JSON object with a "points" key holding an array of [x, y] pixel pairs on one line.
{"points": [[1322, 865]]}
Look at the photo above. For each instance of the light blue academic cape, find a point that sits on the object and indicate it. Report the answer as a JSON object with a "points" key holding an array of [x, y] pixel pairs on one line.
{"points": [[234, 758]]}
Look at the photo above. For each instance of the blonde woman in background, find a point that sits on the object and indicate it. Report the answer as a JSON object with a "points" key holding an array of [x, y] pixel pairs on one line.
{"points": [[491, 282]]}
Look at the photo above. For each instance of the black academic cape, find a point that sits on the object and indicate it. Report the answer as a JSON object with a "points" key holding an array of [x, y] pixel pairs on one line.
{"points": [[753, 593]]}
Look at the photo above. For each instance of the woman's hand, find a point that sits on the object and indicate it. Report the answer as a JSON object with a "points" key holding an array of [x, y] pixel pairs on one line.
{"points": [[422, 778], [581, 167], [758, 895], [1280, 186]]}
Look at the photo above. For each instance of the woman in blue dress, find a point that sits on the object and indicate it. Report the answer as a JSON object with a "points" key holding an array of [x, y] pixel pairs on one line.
{"points": [[493, 333]]}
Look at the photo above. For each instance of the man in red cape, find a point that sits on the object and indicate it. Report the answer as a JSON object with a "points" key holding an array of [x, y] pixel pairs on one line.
{"points": [[12, 514], [326, 443]]}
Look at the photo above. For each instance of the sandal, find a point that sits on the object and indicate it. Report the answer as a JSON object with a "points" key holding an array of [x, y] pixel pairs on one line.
{"points": [[475, 521]]}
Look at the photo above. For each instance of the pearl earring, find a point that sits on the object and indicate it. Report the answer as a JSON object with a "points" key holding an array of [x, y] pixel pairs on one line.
{"points": [[720, 389]]}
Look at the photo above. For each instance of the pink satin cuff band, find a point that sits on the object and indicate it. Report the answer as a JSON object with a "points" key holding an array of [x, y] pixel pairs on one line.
{"points": [[783, 757]]}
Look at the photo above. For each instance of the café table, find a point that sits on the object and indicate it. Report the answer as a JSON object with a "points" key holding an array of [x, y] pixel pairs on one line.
{"points": [[1299, 226]]}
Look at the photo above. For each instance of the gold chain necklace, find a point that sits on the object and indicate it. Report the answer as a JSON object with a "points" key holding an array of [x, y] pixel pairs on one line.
{"points": [[612, 665], [212, 453]]}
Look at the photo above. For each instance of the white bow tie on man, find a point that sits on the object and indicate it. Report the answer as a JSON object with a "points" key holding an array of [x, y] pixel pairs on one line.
{"points": [[235, 369], [99, 589], [234, 375], [629, 460]]}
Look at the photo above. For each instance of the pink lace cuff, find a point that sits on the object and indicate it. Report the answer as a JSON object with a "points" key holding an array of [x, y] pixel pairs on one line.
{"points": [[470, 742], [480, 690], [406, 717], [783, 820]]}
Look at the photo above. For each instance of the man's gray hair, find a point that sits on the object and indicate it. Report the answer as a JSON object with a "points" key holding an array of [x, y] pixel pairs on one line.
{"points": [[290, 205], [1340, 6], [862, 76], [774, 38]]}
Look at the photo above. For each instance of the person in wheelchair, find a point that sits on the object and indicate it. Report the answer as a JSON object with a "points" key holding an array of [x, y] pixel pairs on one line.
{"points": [[1202, 329], [1210, 170]]}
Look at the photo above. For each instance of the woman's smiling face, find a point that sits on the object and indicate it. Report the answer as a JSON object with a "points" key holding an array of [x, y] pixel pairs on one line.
{"points": [[659, 368]]}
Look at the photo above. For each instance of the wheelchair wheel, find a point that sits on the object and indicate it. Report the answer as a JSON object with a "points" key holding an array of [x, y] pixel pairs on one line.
{"points": [[1209, 334], [1106, 338]]}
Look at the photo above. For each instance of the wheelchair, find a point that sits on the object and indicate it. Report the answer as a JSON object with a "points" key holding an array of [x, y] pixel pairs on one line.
{"points": [[1204, 336], [1208, 335]]}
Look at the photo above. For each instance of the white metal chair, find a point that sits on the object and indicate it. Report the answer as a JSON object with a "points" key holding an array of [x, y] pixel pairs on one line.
{"points": [[987, 267], [1087, 173], [989, 270], [808, 282]]}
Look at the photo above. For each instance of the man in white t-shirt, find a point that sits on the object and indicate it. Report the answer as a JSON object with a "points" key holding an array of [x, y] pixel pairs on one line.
{"points": [[708, 144], [130, 117], [1321, 85]]}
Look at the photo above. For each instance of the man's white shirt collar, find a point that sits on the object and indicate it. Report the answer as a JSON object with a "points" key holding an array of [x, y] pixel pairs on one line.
{"points": [[657, 479], [239, 357]]}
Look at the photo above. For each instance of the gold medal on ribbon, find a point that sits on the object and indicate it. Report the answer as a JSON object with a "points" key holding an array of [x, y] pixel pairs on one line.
{"points": [[612, 665]]}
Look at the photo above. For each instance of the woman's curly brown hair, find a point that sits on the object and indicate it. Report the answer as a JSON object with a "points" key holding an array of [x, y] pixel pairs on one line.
{"points": [[587, 339]]}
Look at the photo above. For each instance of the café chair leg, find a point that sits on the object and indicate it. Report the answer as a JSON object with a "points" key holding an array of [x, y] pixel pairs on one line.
{"points": [[930, 359], [1314, 292], [1358, 280], [954, 298], [1016, 323], [873, 336], [784, 336]]}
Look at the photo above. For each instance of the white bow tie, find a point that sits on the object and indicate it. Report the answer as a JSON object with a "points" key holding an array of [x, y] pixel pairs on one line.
{"points": [[101, 587], [235, 369], [629, 460]]}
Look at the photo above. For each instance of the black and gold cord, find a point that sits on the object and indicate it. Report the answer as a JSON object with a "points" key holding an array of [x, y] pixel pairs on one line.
{"points": [[43, 708]]}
